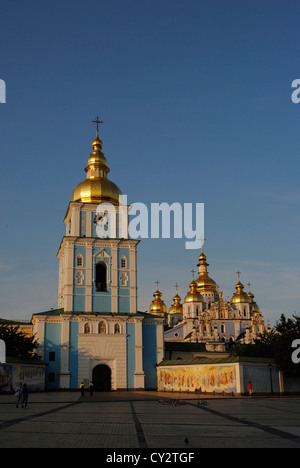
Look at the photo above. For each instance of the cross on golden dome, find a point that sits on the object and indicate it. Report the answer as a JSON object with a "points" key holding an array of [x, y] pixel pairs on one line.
{"points": [[97, 122]]}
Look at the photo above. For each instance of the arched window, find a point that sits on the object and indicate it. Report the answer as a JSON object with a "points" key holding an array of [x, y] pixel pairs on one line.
{"points": [[102, 327], [101, 276], [123, 262], [79, 260], [222, 328], [87, 328], [117, 329]]}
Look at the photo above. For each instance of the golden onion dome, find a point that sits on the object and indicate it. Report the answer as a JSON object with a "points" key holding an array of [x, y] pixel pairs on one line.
{"points": [[97, 188], [240, 297], [204, 282], [158, 307], [176, 308], [255, 308], [193, 295]]}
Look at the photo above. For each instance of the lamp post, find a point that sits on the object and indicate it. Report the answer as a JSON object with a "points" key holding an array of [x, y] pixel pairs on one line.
{"points": [[271, 377]]}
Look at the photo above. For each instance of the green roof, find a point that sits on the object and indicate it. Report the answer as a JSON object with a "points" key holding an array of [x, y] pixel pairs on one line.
{"points": [[221, 360], [57, 312], [184, 346]]}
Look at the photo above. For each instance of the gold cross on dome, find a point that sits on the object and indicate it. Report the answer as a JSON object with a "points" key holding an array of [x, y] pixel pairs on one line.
{"points": [[239, 275], [157, 283], [202, 239], [97, 122]]}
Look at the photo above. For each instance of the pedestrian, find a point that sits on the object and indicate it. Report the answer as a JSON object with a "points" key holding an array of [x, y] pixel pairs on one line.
{"points": [[25, 396], [82, 389], [91, 387], [19, 395], [250, 388]]}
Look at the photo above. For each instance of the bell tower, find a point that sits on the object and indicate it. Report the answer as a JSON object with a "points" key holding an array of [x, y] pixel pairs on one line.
{"points": [[97, 260]]}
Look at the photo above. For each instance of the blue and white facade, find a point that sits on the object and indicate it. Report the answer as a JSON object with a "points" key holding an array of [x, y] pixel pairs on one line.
{"points": [[97, 325]]}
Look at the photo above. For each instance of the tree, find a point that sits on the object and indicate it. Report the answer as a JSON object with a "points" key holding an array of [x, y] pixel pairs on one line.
{"points": [[277, 345], [17, 343]]}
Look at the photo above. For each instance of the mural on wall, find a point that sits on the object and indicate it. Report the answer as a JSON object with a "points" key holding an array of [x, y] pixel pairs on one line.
{"points": [[5, 378], [220, 378], [12, 375]]}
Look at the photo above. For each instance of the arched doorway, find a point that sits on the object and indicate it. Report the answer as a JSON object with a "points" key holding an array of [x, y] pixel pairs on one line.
{"points": [[102, 378]]}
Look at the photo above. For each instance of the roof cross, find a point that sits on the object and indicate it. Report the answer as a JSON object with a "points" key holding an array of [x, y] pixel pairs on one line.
{"points": [[97, 122]]}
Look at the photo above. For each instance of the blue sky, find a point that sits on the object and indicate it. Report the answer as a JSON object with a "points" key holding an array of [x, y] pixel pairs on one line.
{"points": [[196, 100]]}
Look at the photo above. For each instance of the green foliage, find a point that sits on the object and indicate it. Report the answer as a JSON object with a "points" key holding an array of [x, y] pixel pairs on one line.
{"points": [[18, 345], [277, 345]]}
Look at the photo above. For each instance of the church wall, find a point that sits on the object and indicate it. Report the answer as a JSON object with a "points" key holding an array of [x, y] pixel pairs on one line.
{"points": [[124, 304], [123, 253], [52, 344], [73, 354], [78, 302], [131, 358], [260, 378], [101, 303], [150, 355]]}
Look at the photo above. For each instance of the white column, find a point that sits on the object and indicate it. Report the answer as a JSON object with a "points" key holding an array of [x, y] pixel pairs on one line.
{"points": [[75, 226], [88, 278], [133, 279], [39, 332], [65, 346], [114, 279], [68, 278]]}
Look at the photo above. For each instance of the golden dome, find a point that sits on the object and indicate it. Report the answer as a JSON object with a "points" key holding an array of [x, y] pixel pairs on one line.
{"points": [[193, 295], [240, 297], [176, 308], [97, 188], [204, 282], [158, 307], [96, 191], [255, 308]]}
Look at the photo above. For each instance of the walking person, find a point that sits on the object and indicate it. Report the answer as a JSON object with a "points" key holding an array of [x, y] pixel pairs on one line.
{"points": [[19, 395], [82, 389], [91, 387], [250, 388], [25, 396]]}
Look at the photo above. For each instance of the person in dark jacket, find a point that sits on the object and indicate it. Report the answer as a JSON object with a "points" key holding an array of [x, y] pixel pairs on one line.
{"points": [[25, 396]]}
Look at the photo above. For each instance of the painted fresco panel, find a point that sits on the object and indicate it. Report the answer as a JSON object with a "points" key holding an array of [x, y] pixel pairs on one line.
{"points": [[218, 378]]}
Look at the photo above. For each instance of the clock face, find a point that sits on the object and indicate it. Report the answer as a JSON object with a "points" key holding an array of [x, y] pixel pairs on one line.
{"points": [[102, 223]]}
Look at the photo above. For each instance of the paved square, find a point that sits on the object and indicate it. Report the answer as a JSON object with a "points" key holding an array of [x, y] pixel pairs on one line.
{"points": [[137, 420]]}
